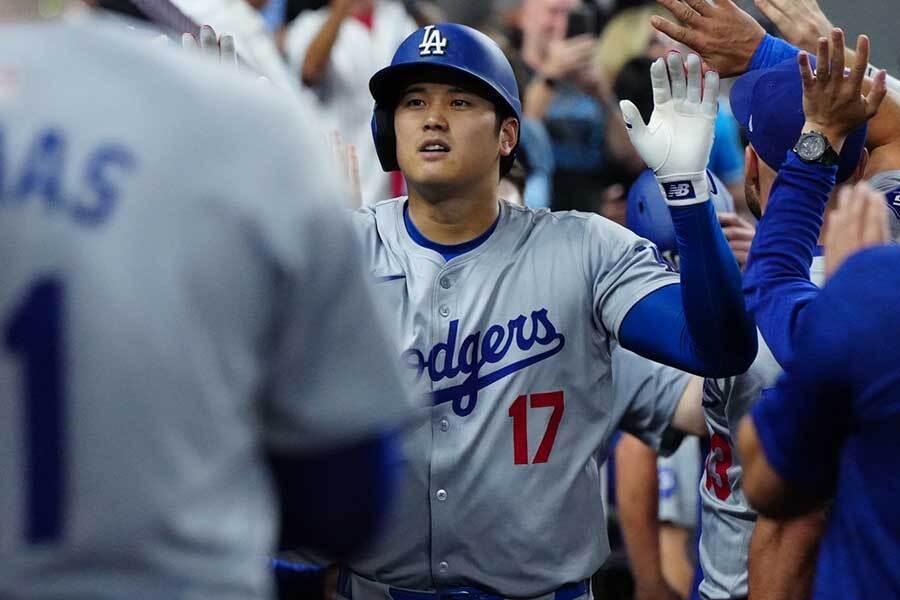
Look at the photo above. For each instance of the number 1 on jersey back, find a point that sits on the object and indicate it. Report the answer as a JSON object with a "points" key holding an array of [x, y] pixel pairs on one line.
{"points": [[33, 332]]}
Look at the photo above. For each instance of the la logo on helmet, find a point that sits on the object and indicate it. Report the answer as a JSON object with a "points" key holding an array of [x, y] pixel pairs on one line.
{"points": [[433, 42]]}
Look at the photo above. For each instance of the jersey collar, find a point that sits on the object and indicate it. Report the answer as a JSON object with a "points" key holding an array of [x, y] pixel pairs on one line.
{"points": [[448, 251]]}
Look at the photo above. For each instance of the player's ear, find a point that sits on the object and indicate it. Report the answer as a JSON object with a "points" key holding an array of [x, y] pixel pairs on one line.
{"points": [[860, 170], [509, 135], [751, 168]]}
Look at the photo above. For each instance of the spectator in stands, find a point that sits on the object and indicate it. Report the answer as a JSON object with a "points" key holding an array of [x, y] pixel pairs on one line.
{"points": [[575, 102], [334, 51]]}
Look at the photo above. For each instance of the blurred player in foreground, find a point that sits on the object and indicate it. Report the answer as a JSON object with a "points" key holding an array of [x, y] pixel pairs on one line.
{"points": [[507, 316], [179, 319]]}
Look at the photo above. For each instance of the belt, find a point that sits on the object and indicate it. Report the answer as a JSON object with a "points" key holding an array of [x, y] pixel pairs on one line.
{"points": [[566, 592]]}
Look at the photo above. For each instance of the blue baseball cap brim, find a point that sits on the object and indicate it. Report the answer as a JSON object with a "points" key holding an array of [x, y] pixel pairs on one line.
{"points": [[768, 104]]}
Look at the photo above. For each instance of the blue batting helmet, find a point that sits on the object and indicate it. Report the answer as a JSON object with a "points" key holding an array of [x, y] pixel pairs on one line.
{"points": [[447, 48], [648, 215]]}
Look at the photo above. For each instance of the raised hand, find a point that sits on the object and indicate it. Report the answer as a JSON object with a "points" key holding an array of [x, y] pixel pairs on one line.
{"points": [[568, 57], [221, 48], [801, 22], [859, 222], [677, 141], [832, 98], [722, 34]]}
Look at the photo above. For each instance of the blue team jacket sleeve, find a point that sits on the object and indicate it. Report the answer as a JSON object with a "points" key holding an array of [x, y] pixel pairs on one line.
{"points": [[776, 280], [701, 325], [802, 422], [770, 52]]}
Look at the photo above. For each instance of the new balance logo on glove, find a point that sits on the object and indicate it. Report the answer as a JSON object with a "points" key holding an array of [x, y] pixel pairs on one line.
{"points": [[679, 190]]}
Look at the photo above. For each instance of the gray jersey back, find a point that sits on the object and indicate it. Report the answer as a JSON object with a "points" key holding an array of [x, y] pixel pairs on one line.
{"points": [[175, 297], [727, 520], [889, 183], [500, 488]]}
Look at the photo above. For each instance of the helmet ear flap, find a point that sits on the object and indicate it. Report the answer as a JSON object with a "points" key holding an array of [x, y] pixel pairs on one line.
{"points": [[385, 138]]}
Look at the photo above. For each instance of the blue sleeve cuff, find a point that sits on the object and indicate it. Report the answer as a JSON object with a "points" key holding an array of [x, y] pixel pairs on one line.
{"points": [[770, 52]]}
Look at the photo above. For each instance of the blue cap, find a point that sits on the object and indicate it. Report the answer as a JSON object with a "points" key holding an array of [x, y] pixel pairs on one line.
{"points": [[647, 213], [768, 103]]}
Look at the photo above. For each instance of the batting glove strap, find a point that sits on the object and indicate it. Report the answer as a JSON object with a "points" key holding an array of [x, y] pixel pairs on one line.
{"points": [[684, 189]]}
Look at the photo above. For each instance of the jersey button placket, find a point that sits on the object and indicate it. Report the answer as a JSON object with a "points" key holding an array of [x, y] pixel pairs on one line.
{"points": [[443, 455]]}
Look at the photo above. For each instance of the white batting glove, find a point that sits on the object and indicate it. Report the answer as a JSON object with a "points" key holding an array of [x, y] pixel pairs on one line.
{"points": [[677, 142]]}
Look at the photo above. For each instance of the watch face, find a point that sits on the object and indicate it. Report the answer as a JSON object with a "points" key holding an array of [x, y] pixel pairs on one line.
{"points": [[812, 146]]}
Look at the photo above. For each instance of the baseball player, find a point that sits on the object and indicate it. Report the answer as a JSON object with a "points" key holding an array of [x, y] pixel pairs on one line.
{"points": [[176, 300], [507, 316], [769, 106], [829, 430]]}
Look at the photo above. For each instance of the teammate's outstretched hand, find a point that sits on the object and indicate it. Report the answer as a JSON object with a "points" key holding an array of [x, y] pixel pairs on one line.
{"points": [[859, 221], [832, 99], [218, 47], [722, 34], [677, 141], [801, 22]]}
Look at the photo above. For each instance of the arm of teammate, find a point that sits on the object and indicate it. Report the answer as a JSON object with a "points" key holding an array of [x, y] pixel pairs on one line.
{"points": [[782, 556], [788, 443], [637, 499], [802, 23], [776, 281], [700, 326], [732, 42]]}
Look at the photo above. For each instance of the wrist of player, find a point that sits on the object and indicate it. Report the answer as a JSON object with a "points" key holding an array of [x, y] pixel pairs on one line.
{"points": [[684, 189], [835, 135]]}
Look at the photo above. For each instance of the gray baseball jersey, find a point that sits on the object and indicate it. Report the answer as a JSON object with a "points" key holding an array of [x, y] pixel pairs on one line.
{"points": [[640, 383], [727, 520], [889, 183], [500, 489], [175, 297]]}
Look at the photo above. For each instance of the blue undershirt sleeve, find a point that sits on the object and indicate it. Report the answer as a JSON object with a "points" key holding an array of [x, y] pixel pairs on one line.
{"points": [[776, 280], [700, 325], [770, 52]]}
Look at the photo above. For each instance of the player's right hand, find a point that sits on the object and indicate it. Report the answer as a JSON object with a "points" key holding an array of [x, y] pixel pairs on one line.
{"points": [[859, 221], [677, 141]]}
